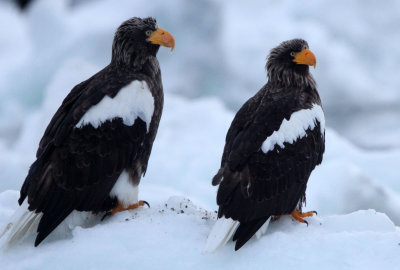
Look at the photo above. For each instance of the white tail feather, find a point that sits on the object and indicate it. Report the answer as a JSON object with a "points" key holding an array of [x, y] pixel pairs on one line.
{"points": [[222, 231], [263, 228], [23, 223]]}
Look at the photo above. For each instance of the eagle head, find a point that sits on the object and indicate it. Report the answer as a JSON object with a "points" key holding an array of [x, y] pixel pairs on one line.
{"points": [[136, 39], [289, 62]]}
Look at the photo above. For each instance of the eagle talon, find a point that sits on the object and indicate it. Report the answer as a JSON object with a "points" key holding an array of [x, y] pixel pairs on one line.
{"points": [[299, 216], [108, 213], [315, 212], [145, 203], [121, 207]]}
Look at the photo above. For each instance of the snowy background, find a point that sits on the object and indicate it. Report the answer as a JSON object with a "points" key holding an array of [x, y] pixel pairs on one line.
{"points": [[217, 64]]}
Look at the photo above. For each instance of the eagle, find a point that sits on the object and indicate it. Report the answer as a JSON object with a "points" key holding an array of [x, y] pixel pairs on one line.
{"points": [[97, 145], [274, 142]]}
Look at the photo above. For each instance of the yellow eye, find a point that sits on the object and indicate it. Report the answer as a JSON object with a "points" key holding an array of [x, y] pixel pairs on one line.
{"points": [[148, 33]]}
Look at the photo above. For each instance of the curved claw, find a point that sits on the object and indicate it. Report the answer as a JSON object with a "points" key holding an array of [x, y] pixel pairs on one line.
{"points": [[315, 212], [299, 216], [109, 213], [146, 203]]}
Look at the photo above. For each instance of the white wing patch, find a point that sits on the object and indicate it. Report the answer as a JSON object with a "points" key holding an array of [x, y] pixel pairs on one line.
{"points": [[133, 101], [295, 128]]}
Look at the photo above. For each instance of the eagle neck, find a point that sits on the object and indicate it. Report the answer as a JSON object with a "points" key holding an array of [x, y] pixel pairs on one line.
{"points": [[135, 60], [289, 79]]}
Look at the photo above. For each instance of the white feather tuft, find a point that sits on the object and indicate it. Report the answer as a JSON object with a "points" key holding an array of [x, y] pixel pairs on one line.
{"points": [[23, 223], [222, 231], [263, 229], [125, 191]]}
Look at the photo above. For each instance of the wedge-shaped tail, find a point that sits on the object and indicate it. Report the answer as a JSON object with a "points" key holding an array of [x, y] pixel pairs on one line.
{"points": [[222, 231], [227, 228], [23, 223]]}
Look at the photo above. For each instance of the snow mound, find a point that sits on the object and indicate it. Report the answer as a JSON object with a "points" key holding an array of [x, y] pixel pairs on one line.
{"points": [[351, 179], [171, 235]]}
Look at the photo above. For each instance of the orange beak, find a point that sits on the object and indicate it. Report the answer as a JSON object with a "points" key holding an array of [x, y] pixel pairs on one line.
{"points": [[305, 57], [163, 38]]}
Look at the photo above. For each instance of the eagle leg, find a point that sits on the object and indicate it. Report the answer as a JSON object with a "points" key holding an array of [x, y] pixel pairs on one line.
{"points": [[297, 215], [276, 217], [120, 207]]}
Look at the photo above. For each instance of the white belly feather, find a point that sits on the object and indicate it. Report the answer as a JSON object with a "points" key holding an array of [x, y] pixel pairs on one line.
{"points": [[125, 191], [133, 101], [295, 128]]}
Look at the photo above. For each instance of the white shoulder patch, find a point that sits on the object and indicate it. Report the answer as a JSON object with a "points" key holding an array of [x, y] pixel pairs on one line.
{"points": [[133, 101], [295, 128]]}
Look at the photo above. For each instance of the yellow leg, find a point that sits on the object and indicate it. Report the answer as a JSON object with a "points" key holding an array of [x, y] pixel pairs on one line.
{"points": [[120, 207], [297, 215]]}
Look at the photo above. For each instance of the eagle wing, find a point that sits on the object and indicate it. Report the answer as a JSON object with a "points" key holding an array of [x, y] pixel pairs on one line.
{"points": [[76, 168]]}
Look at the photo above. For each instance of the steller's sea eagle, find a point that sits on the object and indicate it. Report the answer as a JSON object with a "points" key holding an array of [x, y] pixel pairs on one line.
{"points": [[97, 145], [273, 144]]}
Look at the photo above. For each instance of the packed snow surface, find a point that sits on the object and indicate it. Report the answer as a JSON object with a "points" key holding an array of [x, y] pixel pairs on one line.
{"points": [[171, 235]]}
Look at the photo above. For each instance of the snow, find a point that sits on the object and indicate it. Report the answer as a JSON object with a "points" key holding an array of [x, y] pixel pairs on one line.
{"points": [[133, 101], [352, 179], [217, 64], [171, 235], [295, 128]]}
